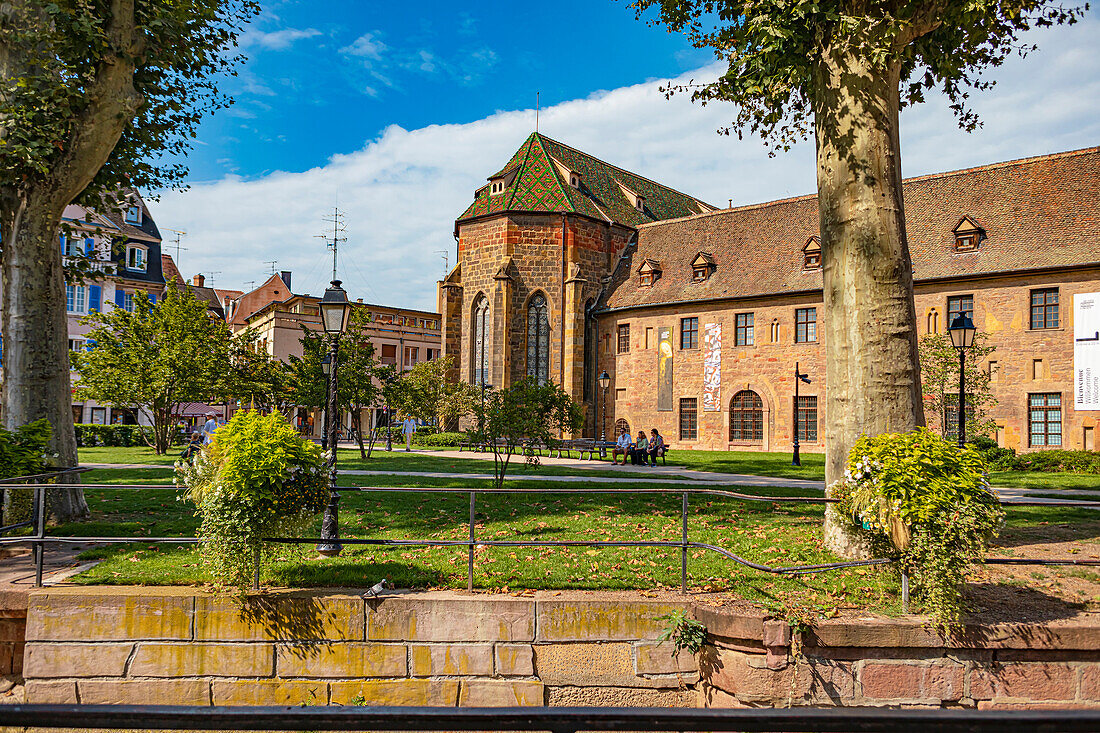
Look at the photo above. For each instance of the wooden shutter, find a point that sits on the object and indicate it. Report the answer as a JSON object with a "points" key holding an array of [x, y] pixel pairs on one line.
{"points": [[95, 298], [120, 298]]}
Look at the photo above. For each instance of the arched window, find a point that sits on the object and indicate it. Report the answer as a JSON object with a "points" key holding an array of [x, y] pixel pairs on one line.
{"points": [[480, 343], [933, 321], [746, 416], [538, 339], [621, 426]]}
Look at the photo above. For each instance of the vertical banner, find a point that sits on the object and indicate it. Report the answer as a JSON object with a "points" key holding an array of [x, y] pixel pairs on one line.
{"points": [[712, 367], [664, 369], [1086, 351]]}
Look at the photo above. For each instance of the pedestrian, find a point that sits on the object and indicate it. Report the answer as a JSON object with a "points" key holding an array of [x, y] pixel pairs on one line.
{"points": [[656, 446], [209, 428], [637, 456], [193, 447], [408, 429], [623, 446]]}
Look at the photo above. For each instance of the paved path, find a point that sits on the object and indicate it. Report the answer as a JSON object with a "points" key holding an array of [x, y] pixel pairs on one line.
{"points": [[640, 475]]}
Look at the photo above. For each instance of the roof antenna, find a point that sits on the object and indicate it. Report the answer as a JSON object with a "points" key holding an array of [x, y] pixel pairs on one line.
{"points": [[446, 261], [271, 264], [176, 246], [536, 112], [338, 228]]}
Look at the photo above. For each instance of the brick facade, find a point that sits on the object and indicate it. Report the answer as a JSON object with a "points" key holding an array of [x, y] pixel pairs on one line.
{"points": [[1037, 223]]}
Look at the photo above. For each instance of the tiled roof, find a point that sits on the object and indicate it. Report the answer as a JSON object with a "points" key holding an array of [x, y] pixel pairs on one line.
{"points": [[537, 177], [169, 269], [1038, 212]]}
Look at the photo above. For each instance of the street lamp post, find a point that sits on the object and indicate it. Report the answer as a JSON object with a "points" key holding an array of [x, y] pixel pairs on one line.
{"points": [[334, 319], [605, 382], [962, 332], [796, 459]]}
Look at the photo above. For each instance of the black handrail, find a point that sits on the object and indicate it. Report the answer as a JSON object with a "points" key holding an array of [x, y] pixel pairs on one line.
{"points": [[556, 720]]}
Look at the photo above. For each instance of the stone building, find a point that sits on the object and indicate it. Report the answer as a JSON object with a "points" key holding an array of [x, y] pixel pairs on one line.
{"points": [[569, 266]]}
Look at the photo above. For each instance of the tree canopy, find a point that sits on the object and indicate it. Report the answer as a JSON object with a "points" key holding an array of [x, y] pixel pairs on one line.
{"points": [[156, 357], [774, 50]]}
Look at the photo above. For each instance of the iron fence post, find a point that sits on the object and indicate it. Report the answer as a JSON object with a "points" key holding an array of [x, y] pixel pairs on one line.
{"points": [[904, 592], [40, 531], [684, 547], [470, 548]]}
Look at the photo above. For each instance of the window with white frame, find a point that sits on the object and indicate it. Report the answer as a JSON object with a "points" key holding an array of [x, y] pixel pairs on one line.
{"points": [[76, 298], [133, 214], [128, 302], [135, 257]]}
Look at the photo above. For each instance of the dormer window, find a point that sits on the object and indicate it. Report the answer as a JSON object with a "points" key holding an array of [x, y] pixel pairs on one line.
{"points": [[135, 257], [575, 181], [702, 267], [648, 273], [133, 214], [968, 235], [639, 203], [496, 186], [811, 254]]}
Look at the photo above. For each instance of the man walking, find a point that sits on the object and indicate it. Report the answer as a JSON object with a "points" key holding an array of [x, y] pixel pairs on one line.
{"points": [[408, 429], [209, 428]]}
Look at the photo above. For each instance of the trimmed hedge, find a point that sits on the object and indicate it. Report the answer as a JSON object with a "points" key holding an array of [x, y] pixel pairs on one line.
{"points": [[118, 436], [439, 440], [1042, 461]]}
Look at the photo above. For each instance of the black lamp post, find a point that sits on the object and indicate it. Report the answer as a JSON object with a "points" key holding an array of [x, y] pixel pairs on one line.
{"points": [[334, 319], [962, 332], [796, 459], [605, 381]]}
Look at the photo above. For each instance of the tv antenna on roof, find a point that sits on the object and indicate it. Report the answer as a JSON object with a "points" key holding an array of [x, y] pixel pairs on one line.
{"points": [[339, 228], [446, 261], [177, 246], [211, 275], [251, 285], [271, 264]]}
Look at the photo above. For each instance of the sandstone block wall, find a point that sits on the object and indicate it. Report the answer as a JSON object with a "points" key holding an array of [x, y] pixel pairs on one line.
{"points": [[179, 646]]}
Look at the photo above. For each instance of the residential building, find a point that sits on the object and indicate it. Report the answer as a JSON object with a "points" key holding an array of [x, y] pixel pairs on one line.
{"points": [[569, 266], [122, 251]]}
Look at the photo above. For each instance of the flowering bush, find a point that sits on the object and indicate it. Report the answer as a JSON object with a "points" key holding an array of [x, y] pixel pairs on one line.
{"points": [[257, 478], [928, 503]]}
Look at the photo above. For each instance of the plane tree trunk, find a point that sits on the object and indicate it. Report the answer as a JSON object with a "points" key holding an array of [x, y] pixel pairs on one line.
{"points": [[35, 332], [872, 369]]}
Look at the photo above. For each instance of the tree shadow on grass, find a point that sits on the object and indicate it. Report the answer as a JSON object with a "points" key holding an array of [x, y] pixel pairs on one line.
{"points": [[356, 570]]}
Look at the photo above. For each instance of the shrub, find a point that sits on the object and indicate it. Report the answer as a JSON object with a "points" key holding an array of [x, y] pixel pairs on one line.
{"points": [[928, 503], [117, 436], [257, 478], [1052, 461], [439, 440], [995, 457], [22, 453]]}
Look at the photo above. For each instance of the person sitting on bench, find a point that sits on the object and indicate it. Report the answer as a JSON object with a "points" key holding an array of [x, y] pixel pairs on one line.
{"points": [[637, 456], [656, 446], [623, 446]]}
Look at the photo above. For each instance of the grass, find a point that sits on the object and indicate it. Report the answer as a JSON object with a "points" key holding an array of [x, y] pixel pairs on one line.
{"points": [[768, 533]]}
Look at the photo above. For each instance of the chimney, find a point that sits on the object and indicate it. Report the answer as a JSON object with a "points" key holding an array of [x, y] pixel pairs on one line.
{"points": [[198, 280], [285, 277]]}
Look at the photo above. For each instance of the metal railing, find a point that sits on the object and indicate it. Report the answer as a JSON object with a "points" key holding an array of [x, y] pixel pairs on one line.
{"points": [[556, 720], [684, 544], [38, 509]]}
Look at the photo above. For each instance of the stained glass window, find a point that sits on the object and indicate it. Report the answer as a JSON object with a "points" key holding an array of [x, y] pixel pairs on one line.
{"points": [[538, 339], [481, 332]]}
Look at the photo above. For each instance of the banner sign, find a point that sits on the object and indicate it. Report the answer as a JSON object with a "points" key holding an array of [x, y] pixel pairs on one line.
{"points": [[1086, 351], [712, 367], [664, 369]]}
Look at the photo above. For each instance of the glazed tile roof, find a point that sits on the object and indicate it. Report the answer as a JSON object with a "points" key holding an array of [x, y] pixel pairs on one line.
{"points": [[1037, 212], [537, 180]]}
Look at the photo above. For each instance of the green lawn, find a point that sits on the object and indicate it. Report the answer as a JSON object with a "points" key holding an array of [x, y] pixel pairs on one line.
{"points": [[767, 533]]}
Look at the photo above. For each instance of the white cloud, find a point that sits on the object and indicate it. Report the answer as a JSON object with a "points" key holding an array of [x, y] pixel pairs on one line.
{"points": [[366, 46], [403, 189], [275, 40]]}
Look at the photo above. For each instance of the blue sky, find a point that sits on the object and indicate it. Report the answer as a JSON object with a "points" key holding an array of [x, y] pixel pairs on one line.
{"points": [[399, 116], [322, 77]]}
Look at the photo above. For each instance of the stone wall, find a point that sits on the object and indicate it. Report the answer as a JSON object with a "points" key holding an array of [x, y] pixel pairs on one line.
{"points": [[13, 628], [181, 646]]}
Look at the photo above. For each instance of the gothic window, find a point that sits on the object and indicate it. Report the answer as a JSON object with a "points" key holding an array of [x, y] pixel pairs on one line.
{"points": [[746, 417], [538, 339], [481, 336]]}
